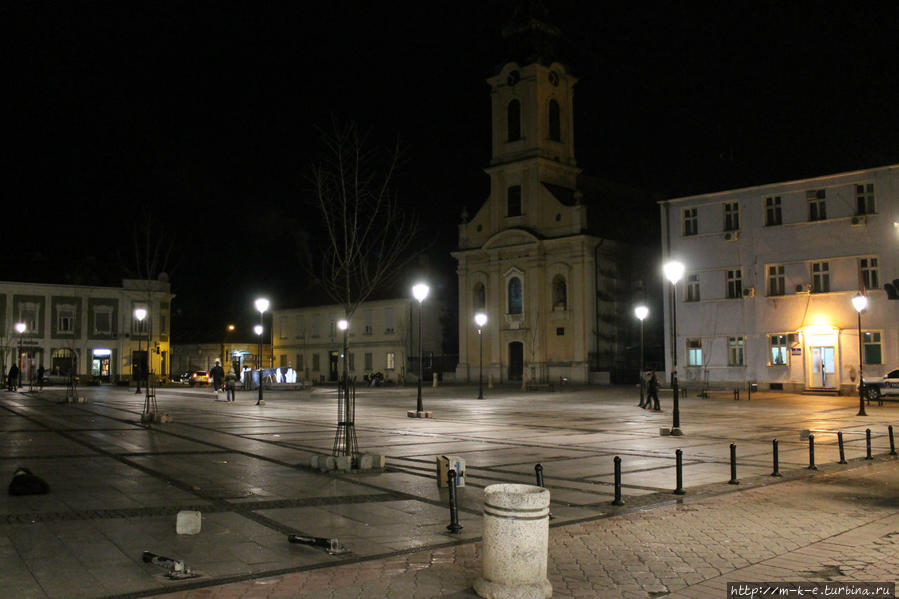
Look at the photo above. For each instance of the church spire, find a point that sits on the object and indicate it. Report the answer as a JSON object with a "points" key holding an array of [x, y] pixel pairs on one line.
{"points": [[530, 37]]}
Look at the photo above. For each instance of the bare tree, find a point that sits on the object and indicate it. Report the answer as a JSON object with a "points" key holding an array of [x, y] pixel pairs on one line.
{"points": [[368, 233]]}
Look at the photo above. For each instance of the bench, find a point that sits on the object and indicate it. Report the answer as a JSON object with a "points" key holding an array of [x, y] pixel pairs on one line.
{"points": [[540, 387], [706, 393]]}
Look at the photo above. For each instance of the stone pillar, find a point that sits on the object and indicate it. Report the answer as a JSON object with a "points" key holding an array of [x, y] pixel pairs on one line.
{"points": [[516, 543]]}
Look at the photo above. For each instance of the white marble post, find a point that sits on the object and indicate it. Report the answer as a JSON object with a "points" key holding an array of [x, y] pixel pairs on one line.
{"points": [[516, 542]]}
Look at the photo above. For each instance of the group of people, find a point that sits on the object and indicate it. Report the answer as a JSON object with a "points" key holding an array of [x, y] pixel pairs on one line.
{"points": [[224, 382], [12, 378], [652, 395]]}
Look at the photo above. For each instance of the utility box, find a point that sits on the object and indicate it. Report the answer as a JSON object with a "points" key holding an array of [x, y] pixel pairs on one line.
{"points": [[445, 463]]}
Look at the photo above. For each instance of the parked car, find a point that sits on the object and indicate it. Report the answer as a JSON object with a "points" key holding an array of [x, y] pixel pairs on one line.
{"points": [[198, 377], [183, 378], [877, 387]]}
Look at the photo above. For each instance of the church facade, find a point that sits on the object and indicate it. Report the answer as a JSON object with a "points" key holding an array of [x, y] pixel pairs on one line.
{"points": [[557, 292]]}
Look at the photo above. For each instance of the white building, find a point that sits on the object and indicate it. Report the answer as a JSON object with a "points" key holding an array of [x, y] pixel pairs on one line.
{"points": [[86, 330], [382, 337], [770, 276]]}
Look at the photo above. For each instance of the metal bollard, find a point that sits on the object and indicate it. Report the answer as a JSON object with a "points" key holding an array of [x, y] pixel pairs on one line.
{"points": [[539, 469], [736, 395], [892, 443], [454, 525], [842, 453], [679, 469], [811, 453], [733, 465], [776, 459], [618, 500], [868, 444]]}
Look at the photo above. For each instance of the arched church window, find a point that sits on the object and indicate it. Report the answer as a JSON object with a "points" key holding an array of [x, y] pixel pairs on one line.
{"points": [[555, 121], [513, 201], [513, 114], [560, 293], [479, 299], [515, 296]]}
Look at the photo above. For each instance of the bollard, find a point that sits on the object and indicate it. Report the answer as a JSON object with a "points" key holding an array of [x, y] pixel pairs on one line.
{"points": [[842, 453], [892, 443], [454, 525], [332, 546], [811, 453], [733, 465], [516, 542], [617, 500], [748, 391], [435, 380], [679, 469], [776, 459], [539, 469], [868, 444], [736, 395]]}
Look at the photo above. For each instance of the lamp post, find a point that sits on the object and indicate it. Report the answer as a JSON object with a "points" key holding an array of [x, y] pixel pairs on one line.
{"points": [[20, 328], [860, 302], [674, 270], [140, 314], [641, 312], [226, 358], [420, 292], [480, 319], [261, 305], [343, 325]]}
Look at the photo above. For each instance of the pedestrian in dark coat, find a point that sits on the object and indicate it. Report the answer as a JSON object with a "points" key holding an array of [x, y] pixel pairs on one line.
{"points": [[653, 396], [218, 376], [12, 379]]}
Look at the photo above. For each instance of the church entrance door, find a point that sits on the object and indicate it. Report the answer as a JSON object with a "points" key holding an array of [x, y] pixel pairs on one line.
{"points": [[516, 360]]}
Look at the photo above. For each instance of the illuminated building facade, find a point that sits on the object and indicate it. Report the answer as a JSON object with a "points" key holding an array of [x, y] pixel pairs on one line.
{"points": [[770, 276]]}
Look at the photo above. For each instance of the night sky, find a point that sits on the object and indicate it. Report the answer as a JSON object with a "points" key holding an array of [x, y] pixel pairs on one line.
{"points": [[206, 115]]}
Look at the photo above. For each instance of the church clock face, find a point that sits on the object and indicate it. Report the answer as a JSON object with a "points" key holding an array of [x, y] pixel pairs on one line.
{"points": [[554, 78], [513, 78]]}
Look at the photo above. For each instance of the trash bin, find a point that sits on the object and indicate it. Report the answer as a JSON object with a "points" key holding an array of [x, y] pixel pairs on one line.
{"points": [[445, 463]]}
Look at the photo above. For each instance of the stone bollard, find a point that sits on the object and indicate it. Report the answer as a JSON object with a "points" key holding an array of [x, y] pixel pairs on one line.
{"points": [[435, 380], [516, 543], [490, 382]]}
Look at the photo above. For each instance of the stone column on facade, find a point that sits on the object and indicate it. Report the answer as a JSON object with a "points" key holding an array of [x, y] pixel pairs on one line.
{"points": [[464, 365]]}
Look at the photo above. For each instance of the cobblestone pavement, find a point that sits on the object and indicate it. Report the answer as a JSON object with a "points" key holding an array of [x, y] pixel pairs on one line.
{"points": [[117, 486]]}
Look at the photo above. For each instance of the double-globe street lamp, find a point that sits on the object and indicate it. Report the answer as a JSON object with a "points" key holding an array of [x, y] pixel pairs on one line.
{"points": [[480, 319], [420, 292], [674, 270], [641, 312], [860, 302], [20, 363], [261, 305], [140, 314]]}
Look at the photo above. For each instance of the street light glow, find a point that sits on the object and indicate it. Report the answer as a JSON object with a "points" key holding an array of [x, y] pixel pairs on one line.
{"points": [[641, 312], [20, 327], [140, 314], [420, 291], [859, 302], [480, 319], [261, 304], [342, 324], [258, 329], [673, 270]]}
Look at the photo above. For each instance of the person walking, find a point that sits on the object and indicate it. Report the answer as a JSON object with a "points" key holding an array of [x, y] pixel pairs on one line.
{"points": [[12, 379], [40, 377], [653, 392], [218, 376], [231, 385]]}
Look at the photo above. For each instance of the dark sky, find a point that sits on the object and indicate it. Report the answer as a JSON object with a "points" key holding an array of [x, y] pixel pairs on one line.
{"points": [[206, 115]]}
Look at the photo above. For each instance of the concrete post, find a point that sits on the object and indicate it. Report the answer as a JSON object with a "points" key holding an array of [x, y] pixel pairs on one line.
{"points": [[435, 380], [516, 543]]}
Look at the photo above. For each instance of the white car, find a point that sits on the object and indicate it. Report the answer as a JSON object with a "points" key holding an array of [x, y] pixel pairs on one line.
{"points": [[878, 387]]}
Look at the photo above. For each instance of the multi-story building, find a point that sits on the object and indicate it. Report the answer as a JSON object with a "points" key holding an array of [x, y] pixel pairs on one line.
{"points": [[770, 275], [89, 331], [382, 337]]}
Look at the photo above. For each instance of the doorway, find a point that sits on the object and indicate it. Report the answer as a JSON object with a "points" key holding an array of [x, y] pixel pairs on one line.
{"points": [[516, 360], [333, 358], [823, 367]]}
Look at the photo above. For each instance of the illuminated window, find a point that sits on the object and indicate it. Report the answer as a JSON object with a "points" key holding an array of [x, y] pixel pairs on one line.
{"points": [[735, 351], [65, 319], [692, 288], [820, 277], [776, 279], [515, 296], [731, 216], [864, 199], [691, 222], [868, 270], [872, 349], [779, 350], [694, 352], [772, 211], [391, 360], [734, 283], [817, 207]]}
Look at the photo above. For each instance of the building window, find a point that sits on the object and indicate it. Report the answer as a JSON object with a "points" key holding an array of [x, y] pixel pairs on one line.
{"points": [[367, 358], [351, 361], [368, 317], [731, 216], [772, 211], [779, 350], [820, 277], [282, 361], [513, 114], [735, 351], [872, 347], [28, 314], [691, 222], [300, 325], [103, 320], [65, 319], [314, 324], [316, 362], [391, 360], [817, 208], [734, 283], [282, 327], [479, 296], [555, 121], [692, 288], [864, 199], [868, 273], [560, 293], [776, 279], [139, 327], [515, 296], [513, 201], [389, 321], [694, 352], [300, 362], [560, 331]]}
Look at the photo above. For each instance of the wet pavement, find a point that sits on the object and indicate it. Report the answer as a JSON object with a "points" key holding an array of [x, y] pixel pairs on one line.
{"points": [[117, 487]]}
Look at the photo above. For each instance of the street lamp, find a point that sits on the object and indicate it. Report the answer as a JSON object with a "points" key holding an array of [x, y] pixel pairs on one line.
{"points": [[420, 292], [20, 328], [641, 312], [261, 305], [343, 325], [226, 358], [140, 314], [674, 270], [480, 319], [860, 302]]}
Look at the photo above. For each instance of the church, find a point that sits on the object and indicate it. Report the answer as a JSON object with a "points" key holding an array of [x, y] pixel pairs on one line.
{"points": [[546, 257]]}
